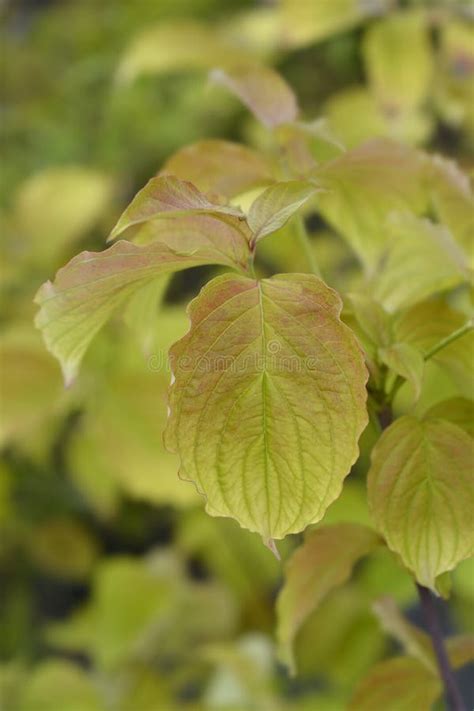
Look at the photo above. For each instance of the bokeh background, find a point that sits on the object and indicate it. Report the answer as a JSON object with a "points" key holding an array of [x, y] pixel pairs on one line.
{"points": [[117, 592]]}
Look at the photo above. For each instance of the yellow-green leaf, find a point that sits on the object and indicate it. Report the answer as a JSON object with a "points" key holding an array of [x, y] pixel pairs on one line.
{"points": [[425, 325], [262, 90], [91, 286], [407, 361], [59, 684], [220, 167], [453, 201], [277, 204], [306, 22], [363, 186], [421, 494], [399, 684], [421, 259], [268, 400], [175, 46], [167, 196], [398, 58], [323, 562], [458, 410]]}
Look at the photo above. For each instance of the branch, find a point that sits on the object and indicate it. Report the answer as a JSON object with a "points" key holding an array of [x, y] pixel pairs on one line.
{"points": [[452, 692]]}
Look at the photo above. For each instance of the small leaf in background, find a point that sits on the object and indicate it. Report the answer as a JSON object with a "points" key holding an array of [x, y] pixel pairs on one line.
{"points": [[30, 386], [323, 562], [420, 490], [421, 259], [363, 186], [399, 59], [398, 684], [167, 196], [306, 22], [93, 285], [268, 400], [220, 167], [176, 46], [274, 207], [407, 361], [59, 684], [458, 410], [262, 90], [54, 208], [64, 548]]}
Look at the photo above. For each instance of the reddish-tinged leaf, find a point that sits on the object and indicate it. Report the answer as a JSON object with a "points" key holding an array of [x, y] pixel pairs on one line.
{"points": [[400, 684], [262, 90], [323, 562], [91, 286], [219, 167], [167, 196], [268, 400]]}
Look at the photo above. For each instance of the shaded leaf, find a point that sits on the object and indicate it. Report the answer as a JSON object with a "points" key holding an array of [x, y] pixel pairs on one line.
{"points": [[458, 410], [372, 318], [460, 649], [268, 400], [323, 562], [407, 361], [421, 259], [167, 196], [397, 685], [262, 90], [415, 642], [421, 494], [425, 325], [276, 205], [363, 186], [220, 167]]}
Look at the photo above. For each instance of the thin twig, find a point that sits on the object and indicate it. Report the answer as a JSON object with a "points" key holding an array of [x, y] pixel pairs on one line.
{"points": [[452, 692]]}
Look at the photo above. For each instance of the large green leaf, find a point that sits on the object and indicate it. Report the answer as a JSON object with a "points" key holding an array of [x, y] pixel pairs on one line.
{"points": [[268, 400], [262, 90], [323, 562], [277, 204], [399, 684], [91, 286], [421, 494], [220, 167], [364, 186], [421, 259], [167, 196]]}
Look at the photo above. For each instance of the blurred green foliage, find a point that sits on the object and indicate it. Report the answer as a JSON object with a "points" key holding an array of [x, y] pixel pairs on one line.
{"points": [[116, 591]]}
